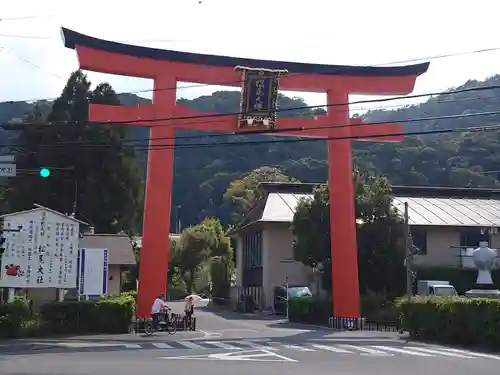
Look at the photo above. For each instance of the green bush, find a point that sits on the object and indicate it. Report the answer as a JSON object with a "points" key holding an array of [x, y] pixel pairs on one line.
{"points": [[13, 317], [377, 307], [109, 315], [309, 310], [456, 320]]}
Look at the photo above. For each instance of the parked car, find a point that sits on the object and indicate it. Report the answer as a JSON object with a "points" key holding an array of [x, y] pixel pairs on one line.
{"points": [[293, 292]]}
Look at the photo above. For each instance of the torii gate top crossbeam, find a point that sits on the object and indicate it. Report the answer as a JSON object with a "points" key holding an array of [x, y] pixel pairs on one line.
{"points": [[73, 40]]}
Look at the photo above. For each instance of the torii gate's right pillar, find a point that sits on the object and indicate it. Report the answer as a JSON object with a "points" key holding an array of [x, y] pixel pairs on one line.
{"points": [[344, 254]]}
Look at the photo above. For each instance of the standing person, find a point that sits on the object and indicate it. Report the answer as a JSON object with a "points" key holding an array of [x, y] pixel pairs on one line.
{"points": [[188, 310], [158, 310]]}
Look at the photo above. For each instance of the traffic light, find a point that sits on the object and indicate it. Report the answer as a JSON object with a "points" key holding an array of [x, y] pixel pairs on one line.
{"points": [[44, 172]]}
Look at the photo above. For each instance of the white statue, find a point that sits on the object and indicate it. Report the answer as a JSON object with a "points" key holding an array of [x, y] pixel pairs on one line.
{"points": [[484, 259]]}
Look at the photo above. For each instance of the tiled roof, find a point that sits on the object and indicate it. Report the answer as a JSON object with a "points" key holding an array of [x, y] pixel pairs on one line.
{"points": [[119, 247]]}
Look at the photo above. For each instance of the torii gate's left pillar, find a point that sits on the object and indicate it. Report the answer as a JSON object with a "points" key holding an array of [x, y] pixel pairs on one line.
{"points": [[154, 255]]}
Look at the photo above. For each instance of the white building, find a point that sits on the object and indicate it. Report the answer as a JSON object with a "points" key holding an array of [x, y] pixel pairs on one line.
{"points": [[441, 221]]}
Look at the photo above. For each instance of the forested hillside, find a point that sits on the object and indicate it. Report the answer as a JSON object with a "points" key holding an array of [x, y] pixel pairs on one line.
{"points": [[460, 159]]}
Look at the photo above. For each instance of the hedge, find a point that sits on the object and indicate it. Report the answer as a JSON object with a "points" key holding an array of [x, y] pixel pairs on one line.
{"points": [[110, 315], [14, 317], [457, 320], [318, 311], [309, 310]]}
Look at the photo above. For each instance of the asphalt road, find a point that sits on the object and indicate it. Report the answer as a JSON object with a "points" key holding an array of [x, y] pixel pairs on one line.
{"points": [[227, 339]]}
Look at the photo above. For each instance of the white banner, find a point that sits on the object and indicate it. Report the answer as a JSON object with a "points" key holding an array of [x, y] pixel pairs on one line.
{"points": [[43, 254], [93, 275]]}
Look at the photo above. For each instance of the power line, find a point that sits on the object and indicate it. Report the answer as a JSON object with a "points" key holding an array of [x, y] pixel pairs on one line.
{"points": [[21, 18], [333, 105], [434, 57], [278, 132], [351, 137]]}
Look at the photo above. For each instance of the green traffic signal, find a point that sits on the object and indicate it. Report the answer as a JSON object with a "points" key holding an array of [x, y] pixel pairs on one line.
{"points": [[44, 172]]}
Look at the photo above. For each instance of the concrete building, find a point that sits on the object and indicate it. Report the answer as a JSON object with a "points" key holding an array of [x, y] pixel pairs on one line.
{"points": [[441, 221]]}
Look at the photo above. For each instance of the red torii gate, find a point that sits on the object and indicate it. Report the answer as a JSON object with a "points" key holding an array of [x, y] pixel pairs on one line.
{"points": [[166, 68]]}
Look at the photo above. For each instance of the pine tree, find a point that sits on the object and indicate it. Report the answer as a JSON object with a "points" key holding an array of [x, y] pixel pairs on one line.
{"points": [[90, 162]]}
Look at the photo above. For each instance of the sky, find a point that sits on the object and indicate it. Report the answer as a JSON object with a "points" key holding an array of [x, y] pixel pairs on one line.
{"points": [[35, 65]]}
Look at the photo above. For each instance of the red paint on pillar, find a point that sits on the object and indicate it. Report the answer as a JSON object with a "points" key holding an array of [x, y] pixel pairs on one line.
{"points": [[154, 255], [344, 255]]}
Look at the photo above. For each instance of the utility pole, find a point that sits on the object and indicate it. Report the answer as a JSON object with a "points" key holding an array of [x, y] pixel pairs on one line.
{"points": [[408, 254]]}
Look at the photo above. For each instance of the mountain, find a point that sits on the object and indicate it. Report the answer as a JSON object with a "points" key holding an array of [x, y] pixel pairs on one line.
{"points": [[454, 159]]}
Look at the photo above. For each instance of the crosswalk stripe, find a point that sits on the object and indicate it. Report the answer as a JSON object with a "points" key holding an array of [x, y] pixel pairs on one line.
{"points": [[299, 348], [365, 350], [253, 344], [133, 346], [190, 345], [162, 345], [331, 348], [475, 354], [402, 351], [439, 352], [222, 345]]}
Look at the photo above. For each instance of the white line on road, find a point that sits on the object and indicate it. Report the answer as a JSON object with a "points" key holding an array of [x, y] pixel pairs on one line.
{"points": [[133, 346], [331, 348], [402, 351], [162, 345], [366, 351], [190, 345], [296, 347], [475, 354], [439, 352], [222, 345]]}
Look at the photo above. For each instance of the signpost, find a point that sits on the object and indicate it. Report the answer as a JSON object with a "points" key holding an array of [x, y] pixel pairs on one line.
{"points": [[93, 273], [7, 166]]}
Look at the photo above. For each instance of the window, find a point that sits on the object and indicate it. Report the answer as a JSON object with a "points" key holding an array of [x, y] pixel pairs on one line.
{"points": [[419, 236], [471, 237], [252, 259]]}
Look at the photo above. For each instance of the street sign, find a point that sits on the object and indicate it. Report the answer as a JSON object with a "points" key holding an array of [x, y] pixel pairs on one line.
{"points": [[7, 170], [7, 158]]}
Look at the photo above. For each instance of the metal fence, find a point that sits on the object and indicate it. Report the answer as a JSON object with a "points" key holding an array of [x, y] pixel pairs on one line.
{"points": [[363, 324]]}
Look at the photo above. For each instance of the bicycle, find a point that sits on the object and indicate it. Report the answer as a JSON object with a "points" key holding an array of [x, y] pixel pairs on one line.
{"points": [[167, 324]]}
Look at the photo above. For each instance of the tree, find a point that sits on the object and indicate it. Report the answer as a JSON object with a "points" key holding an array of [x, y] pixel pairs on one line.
{"points": [[244, 192], [91, 164], [194, 250], [380, 234]]}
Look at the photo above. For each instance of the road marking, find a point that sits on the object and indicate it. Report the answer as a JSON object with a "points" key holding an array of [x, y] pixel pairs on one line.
{"points": [[190, 345], [402, 351], [248, 355], [366, 351], [132, 346], [331, 348], [222, 345], [296, 347], [162, 345], [439, 352], [466, 352]]}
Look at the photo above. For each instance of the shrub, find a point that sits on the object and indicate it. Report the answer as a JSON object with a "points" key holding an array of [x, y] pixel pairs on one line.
{"points": [[456, 320], [309, 310], [13, 317], [109, 315]]}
